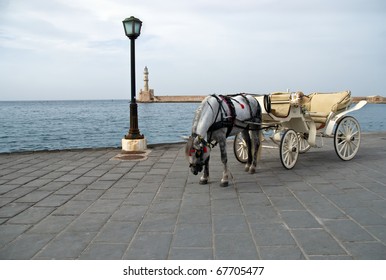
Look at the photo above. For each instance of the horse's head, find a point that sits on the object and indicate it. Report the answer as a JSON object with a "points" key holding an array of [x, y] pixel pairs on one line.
{"points": [[197, 152]]}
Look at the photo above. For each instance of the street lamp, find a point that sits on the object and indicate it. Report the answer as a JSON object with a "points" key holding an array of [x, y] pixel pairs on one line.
{"points": [[132, 27], [134, 140]]}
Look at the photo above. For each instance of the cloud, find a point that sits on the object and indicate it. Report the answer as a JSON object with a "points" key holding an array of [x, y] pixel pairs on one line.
{"points": [[78, 47]]}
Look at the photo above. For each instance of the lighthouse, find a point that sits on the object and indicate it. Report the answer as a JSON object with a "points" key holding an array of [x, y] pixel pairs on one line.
{"points": [[146, 94]]}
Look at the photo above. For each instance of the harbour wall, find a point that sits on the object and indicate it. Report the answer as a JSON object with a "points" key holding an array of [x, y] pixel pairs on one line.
{"points": [[198, 98]]}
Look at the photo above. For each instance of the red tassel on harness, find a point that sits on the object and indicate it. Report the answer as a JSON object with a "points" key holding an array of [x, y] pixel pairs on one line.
{"points": [[242, 106]]}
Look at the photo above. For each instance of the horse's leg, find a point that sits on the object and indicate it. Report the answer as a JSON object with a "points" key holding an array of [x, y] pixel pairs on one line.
{"points": [[224, 160], [255, 137], [205, 177], [247, 140]]}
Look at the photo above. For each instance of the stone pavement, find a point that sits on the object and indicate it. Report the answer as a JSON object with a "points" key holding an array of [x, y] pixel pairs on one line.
{"points": [[83, 204]]}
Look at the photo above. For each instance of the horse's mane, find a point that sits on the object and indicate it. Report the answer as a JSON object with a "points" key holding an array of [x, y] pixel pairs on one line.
{"points": [[197, 115]]}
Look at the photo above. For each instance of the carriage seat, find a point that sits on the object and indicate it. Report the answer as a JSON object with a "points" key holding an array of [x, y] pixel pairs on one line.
{"points": [[280, 104], [321, 105]]}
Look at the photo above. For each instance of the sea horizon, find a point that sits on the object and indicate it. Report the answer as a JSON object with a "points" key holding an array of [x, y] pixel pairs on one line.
{"points": [[45, 125]]}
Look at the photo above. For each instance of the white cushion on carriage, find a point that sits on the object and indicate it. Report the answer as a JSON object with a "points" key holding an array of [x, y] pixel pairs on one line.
{"points": [[280, 104], [322, 104]]}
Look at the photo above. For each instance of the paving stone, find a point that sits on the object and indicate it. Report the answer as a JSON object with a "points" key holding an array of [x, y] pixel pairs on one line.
{"points": [[229, 224], [139, 198], [88, 194], [9, 232], [272, 235], [281, 253], [67, 178], [5, 200], [67, 245], [110, 177], [52, 224], [262, 214], [193, 235], [34, 196], [191, 254], [170, 193], [165, 206], [39, 182], [71, 189], [378, 231], [31, 215], [196, 199], [101, 185], [226, 206], [348, 231], [286, 203], [346, 201], [299, 219], [149, 246], [254, 199], [159, 222], [237, 246], [53, 186], [104, 206], [195, 215], [130, 213], [104, 251], [12, 209], [117, 193], [18, 192], [317, 242], [54, 200], [366, 250], [25, 246], [117, 232], [365, 216], [6, 188], [146, 187], [72, 208], [89, 222], [324, 208]]}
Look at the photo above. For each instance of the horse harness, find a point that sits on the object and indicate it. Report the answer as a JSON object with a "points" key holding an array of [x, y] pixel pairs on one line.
{"points": [[227, 120]]}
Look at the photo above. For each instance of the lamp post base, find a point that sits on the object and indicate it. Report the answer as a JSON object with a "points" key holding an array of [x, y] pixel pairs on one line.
{"points": [[134, 145]]}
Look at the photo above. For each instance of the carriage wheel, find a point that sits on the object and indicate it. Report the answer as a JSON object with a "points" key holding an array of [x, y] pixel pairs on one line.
{"points": [[289, 149], [304, 146], [347, 138], [240, 148]]}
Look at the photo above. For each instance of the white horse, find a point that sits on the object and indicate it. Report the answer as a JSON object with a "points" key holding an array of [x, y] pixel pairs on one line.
{"points": [[216, 118]]}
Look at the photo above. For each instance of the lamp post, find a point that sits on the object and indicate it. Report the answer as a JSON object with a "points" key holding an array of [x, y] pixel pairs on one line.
{"points": [[134, 140], [132, 27]]}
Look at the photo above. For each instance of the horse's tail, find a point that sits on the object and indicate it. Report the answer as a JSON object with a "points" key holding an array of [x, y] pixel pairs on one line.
{"points": [[260, 139]]}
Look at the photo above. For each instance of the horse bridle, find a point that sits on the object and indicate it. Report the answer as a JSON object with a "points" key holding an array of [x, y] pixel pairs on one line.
{"points": [[199, 153]]}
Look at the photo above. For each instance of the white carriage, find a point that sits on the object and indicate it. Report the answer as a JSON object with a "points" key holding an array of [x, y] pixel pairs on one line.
{"points": [[296, 120]]}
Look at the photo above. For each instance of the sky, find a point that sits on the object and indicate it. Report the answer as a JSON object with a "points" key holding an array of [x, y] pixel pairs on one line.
{"points": [[77, 49]]}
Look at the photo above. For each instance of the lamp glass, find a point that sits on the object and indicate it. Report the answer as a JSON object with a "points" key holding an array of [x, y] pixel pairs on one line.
{"points": [[132, 27]]}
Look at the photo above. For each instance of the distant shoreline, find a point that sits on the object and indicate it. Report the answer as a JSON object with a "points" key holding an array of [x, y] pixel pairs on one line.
{"points": [[188, 99], [198, 98]]}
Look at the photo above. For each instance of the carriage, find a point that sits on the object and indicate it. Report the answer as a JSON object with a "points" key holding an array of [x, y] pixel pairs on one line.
{"points": [[295, 121]]}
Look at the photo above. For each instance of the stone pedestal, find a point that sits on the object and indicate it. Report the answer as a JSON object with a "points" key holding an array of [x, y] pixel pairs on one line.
{"points": [[134, 145]]}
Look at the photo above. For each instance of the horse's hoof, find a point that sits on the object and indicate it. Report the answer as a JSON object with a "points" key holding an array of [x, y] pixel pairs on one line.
{"points": [[247, 168], [204, 182], [252, 170], [224, 184]]}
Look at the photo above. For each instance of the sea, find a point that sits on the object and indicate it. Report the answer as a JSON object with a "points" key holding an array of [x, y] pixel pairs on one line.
{"points": [[79, 124]]}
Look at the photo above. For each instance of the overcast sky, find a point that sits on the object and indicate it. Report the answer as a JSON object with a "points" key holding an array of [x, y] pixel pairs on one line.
{"points": [[76, 49]]}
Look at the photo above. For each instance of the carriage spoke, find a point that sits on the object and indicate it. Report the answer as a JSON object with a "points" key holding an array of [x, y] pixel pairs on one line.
{"points": [[289, 149], [347, 138]]}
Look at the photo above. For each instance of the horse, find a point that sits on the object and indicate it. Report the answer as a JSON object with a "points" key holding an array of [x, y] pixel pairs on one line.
{"points": [[216, 118]]}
